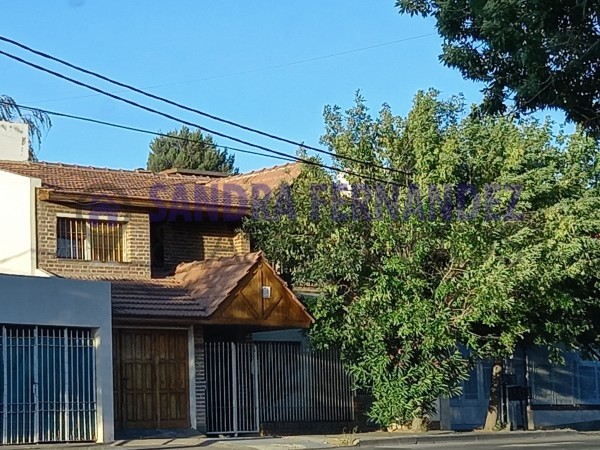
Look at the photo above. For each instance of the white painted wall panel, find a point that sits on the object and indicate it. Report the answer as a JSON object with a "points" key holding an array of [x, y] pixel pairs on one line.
{"points": [[17, 224], [26, 300]]}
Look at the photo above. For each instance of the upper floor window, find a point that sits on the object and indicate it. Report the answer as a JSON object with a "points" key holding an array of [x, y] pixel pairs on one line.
{"points": [[90, 240]]}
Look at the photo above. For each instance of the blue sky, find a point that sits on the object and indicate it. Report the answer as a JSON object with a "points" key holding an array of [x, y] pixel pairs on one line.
{"points": [[214, 55]]}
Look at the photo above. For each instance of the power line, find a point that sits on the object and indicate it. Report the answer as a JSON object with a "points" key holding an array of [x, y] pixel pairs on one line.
{"points": [[195, 110], [155, 133], [141, 130], [282, 155], [138, 105], [260, 69]]}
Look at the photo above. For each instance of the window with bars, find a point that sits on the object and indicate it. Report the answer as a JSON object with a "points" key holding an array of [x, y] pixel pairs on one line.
{"points": [[90, 240]]}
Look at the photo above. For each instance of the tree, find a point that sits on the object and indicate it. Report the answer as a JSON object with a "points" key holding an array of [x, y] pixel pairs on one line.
{"points": [[540, 54], [37, 121], [187, 149], [414, 294]]}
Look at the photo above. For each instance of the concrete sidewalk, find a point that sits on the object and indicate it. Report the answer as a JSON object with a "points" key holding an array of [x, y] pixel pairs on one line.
{"points": [[383, 438], [310, 441]]}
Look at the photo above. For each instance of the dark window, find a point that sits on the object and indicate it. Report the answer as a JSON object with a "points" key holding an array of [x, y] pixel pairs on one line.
{"points": [[88, 240]]}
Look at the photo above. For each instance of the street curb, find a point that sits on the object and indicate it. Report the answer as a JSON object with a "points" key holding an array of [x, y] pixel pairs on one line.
{"points": [[461, 437], [398, 440]]}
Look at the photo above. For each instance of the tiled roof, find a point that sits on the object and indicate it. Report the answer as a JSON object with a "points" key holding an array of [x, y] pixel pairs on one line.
{"points": [[153, 298], [159, 187], [195, 291]]}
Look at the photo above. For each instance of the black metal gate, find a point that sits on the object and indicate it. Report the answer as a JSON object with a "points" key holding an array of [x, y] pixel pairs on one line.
{"points": [[274, 382], [232, 387]]}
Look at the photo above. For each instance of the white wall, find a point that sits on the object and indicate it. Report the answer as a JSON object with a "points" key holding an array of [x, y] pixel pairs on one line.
{"points": [[69, 303], [14, 141], [17, 224]]}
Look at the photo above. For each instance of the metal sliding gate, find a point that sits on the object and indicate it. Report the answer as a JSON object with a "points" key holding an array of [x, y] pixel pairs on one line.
{"points": [[267, 382], [299, 385], [47, 385]]}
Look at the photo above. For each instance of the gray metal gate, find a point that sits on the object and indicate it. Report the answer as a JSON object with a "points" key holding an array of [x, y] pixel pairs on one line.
{"points": [[267, 382], [232, 394], [47, 385], [302, 385]]}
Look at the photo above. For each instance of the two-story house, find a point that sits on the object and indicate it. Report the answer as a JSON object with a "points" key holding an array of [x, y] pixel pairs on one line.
{"points": [[181, 274]]}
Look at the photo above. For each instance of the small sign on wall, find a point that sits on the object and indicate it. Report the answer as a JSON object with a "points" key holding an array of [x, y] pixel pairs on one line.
{"points": [[266, 292]]}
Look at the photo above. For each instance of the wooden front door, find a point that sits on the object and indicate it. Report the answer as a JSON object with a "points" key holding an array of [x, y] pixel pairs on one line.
{"points": [[151, 379]]}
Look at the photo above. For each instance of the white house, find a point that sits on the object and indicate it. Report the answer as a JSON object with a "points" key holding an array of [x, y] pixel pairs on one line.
{"points": [[56, 382]]}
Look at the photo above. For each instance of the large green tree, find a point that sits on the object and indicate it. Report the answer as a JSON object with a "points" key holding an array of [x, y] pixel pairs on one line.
{"points": [[37, 121], [538, 53], [189, 149], [414, 296]]}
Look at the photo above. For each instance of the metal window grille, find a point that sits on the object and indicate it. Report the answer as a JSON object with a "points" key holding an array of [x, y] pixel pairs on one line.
{"points": [[95, 240], [47, 385]]}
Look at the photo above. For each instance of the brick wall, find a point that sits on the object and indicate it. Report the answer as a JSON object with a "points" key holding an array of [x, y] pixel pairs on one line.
{"points": [[137, 265], [200, 379], [182, 242], [241, 244], [196, 241]]}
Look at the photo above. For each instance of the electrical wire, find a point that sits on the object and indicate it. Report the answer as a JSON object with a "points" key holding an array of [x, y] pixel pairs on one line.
{"points": [[140, 130], [259, 69], [195, 110], [281, 155]]}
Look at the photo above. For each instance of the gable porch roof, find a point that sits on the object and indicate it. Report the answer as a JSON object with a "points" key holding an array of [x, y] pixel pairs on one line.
{"points": [[225, 291]]}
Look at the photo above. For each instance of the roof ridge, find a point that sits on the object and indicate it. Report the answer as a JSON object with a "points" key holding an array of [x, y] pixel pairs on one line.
{"points": [[78, 166], [146, 172], [236, 256], [263, 170], [76, 180], [220, 260], [138, 171], [171, 281]]}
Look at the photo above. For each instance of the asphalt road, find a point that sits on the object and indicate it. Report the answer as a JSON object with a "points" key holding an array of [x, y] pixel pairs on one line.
{"points": [[568, 443]]}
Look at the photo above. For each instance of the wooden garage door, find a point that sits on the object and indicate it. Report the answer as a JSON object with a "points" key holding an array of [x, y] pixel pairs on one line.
{"points": [[151, 379]]}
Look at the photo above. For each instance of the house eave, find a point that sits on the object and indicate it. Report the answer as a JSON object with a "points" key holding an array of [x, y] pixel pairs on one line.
{"points": [[79, 198], [149, 320]]}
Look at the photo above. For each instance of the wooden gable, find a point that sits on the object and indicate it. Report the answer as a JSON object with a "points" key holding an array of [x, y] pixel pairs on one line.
{"points": [[248, 304]]}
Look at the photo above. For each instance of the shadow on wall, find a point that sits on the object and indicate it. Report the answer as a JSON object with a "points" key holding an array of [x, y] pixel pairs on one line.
{"points": [[18, 255]]}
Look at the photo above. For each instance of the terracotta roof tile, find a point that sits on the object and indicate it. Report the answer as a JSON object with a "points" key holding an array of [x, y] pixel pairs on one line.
{"points": [[159, 187], [164, 298], [195, 291]]}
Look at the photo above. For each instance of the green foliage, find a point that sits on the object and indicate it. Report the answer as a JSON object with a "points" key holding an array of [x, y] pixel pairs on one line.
{"points": [[539, 53], [403, 298], [37, 121], [188, 149]]}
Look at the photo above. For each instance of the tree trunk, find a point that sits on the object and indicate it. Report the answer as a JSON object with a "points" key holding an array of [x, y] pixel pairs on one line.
{"points": [[491, 419]]}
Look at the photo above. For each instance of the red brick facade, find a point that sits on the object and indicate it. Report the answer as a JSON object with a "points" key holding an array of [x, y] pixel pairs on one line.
{"points": [[137, 247], [183, 242], [197, 241]]}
